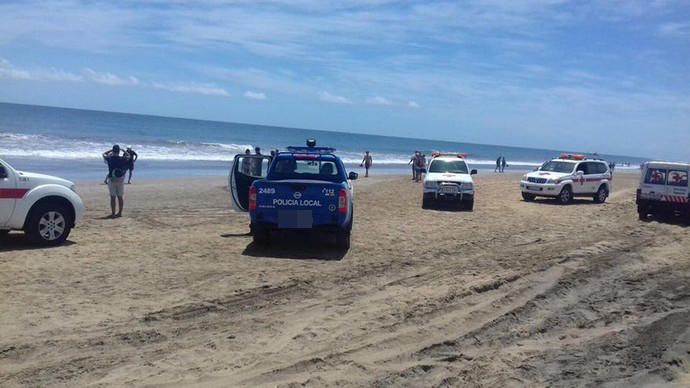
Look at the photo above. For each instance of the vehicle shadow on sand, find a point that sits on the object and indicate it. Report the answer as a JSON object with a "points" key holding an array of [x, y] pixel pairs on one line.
{"points": [[668, 219], [296, 249], [554, 202], [19, 242]]}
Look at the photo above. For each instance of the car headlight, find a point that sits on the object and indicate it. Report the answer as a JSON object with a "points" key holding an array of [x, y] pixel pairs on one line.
{"points": [[525, 177], [467, 186], [430, 184]]}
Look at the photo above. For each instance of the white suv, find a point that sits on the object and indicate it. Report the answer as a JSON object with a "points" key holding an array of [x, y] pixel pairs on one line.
{"points": [[567, 177], [449, 179], [45, 207], [664, 189]]}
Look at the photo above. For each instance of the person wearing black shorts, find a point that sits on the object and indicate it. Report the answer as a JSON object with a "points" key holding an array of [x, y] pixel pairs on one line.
{"points": [[130, 164]]}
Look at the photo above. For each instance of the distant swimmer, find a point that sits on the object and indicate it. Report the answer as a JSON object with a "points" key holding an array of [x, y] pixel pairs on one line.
{"points": [[133, 156], [366, 162]]}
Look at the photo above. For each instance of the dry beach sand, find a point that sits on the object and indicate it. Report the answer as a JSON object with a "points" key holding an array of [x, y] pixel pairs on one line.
{"points": [[514, 293]]}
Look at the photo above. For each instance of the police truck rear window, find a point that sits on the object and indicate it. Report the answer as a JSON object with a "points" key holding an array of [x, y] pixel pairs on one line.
{"points": [[655, 176], [305, 168], [678, 178]]}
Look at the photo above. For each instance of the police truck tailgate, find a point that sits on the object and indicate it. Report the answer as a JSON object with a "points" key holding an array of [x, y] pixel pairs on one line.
{"points": [[298, 204]]}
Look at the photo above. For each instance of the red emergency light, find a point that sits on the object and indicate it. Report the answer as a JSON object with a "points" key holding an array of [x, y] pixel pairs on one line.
{"points": [[572, 157]]}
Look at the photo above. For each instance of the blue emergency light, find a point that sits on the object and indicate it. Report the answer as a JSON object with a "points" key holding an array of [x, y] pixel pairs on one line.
{"points": [[311, 148]]}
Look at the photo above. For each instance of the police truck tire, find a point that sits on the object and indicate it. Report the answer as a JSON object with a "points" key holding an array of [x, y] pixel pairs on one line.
{"points": [[469, 205], [48, 224], [565, 196], [426, 203], [601, 195], [528, 197], [342, 239], [642, 212]]}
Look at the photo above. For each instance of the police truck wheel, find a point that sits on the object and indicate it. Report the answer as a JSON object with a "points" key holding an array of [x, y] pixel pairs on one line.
{"points": [[601, 195], [642, 212], [528, 197], [566, 196], [48, 224], [426, 203], [342, 239], [468, 205]]}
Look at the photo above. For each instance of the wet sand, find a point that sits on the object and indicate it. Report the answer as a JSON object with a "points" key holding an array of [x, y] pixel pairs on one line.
{"points": [[514, 293]]}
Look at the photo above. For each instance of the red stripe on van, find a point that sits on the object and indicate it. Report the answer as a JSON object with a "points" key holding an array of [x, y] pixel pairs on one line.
{"points": [[12, 193]]}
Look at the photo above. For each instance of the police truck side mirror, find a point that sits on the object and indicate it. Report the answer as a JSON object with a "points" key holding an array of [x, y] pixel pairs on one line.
{"points": [[352, 176], [473, 172]]}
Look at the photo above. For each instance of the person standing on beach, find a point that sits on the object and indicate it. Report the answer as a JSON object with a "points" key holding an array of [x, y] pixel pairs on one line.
{"points": [[413, 162], [366, 162], [503, 164], [131, 158], [117, 167], [498, 164]]}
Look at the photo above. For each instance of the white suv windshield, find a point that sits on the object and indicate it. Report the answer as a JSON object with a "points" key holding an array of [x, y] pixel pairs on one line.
{"points": [[563, 167], [452, 166]]}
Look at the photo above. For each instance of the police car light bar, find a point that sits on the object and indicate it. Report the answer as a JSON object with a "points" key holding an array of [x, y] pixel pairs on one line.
{"points": [[311, 150], [572, 157], [458, 155]]}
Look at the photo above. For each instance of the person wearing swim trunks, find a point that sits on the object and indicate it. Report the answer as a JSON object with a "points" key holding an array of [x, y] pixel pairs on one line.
{"points": [[132, 157], [366, 162]]}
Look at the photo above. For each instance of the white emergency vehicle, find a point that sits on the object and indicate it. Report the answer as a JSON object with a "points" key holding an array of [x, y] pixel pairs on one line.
{"points": [[664, 189], [448, 178], [46, 208], [567, 177]]}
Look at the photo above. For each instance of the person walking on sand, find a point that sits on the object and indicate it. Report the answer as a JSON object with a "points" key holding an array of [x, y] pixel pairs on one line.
{"points": [[117, 167], [131, 158], [503, 164], [366, 162], [498, 164]]}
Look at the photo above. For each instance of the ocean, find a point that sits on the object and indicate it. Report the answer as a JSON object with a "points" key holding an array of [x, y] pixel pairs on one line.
{"points": [[69, 143]]}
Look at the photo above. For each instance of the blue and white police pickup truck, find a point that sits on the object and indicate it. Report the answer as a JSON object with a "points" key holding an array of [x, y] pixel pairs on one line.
{"points": [[304, 188]]}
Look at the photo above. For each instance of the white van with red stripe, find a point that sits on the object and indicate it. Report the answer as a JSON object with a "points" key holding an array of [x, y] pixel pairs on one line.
{"points": [[567, 177], [664, 189], [45, 207]]}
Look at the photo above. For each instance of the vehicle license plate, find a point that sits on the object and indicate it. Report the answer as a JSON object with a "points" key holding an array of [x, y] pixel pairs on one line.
{"points": [[449, 189], [534, 188], [295, 219]]}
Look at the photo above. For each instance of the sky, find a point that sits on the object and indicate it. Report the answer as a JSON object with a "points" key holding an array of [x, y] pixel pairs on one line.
{"points": [[601, 76]]}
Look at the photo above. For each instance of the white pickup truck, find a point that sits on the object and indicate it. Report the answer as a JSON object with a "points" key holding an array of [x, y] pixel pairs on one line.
{"points": [[46, 208]]}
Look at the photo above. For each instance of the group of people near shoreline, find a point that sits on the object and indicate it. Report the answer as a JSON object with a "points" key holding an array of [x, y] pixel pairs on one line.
{"points": [[500, 164], [119, 161], [418, 163]]}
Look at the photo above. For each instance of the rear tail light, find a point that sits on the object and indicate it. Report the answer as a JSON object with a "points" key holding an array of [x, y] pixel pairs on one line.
{"points": [[252, 199], [342, 201]]}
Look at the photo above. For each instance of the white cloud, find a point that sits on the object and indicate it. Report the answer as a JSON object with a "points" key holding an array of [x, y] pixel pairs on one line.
{"points": [[328, 97], [110, 78], [192, 88], [255, 95], [378, 100], [8, 70], [412, 104]]}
